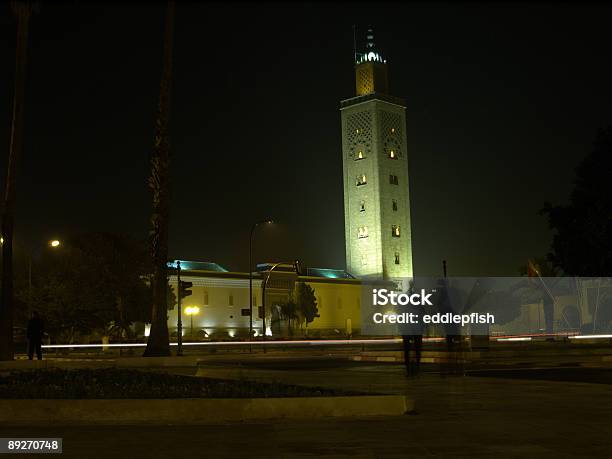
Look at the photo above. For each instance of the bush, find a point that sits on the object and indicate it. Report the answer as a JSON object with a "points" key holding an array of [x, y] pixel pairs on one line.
{"points": [[124, 383]]}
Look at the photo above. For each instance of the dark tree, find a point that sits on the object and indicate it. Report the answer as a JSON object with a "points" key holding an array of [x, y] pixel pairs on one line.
{"points": [[289, 312], [306, 303], [582, 244], [96, 283], [22, 11], [158, 343]]}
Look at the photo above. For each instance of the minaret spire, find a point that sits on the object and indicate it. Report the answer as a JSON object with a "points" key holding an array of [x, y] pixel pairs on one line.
{"points": [[370, 46], [370, 68]]}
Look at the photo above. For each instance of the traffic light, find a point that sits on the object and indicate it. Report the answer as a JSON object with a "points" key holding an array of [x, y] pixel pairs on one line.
{"points": [[183, 289]]}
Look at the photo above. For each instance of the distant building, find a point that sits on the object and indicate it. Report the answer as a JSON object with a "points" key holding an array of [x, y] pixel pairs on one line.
{"points": [[375, 163], [222, 298], [579, 305]]}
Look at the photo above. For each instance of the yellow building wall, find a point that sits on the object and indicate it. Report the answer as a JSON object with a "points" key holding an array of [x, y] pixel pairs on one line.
{"points": [[337, 302], [221, 316]]}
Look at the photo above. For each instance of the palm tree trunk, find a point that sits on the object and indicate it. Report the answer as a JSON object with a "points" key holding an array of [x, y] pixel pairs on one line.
{"points": [[158, 343], [23, 11]]}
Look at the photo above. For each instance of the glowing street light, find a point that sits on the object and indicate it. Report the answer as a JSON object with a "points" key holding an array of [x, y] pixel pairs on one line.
{"points": [[192, 311], [54, 243]]}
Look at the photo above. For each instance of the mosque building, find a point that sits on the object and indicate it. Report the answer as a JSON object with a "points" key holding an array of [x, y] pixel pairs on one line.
{"points": [[377, 232]]}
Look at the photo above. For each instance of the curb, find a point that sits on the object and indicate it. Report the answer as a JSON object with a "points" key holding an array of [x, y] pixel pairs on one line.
{"points": [[198, 411], [400, 359]]}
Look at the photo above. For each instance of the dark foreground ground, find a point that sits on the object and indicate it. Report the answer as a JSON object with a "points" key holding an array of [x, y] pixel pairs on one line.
{"points": [[544, 413]]}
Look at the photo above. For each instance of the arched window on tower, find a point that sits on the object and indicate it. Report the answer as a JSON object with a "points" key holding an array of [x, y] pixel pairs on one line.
{"points": [[361, 180], [395, 230], [364, 260]]}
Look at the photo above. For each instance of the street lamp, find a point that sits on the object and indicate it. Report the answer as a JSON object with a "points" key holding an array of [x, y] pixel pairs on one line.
{"points": [[255, 225], [296, 265], [192, 311], [53, 244]]}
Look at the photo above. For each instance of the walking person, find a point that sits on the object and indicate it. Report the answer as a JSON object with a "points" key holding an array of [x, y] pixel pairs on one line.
{"points": [[35, 335], [416, 342], [412, 338], [453, 336]]}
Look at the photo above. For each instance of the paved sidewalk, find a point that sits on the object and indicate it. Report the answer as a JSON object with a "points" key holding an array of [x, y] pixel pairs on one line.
{"points": [[457, 417]]}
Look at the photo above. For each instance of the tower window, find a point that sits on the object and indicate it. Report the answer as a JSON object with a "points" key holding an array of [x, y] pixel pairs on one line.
{"points": [[356, 131], [360, 154], [362, 232], [392, 130], [392, 154], [361, 180], [362, 206], [397, 260], [394, 205], [393, 180], [395, 231]]}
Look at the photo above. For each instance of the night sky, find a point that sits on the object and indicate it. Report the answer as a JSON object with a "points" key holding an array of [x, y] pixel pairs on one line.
{"points": [[503, 101]]}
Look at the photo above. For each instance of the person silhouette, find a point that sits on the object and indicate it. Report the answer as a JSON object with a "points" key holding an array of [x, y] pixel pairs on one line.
{"points": [[35, 335], [412, 338]]}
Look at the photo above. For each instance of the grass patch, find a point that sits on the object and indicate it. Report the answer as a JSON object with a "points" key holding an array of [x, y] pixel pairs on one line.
{"points": [[108, 383]]}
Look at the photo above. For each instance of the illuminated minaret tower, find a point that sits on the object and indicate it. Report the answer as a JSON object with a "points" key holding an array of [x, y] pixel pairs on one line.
{"points": [[374, 156]]}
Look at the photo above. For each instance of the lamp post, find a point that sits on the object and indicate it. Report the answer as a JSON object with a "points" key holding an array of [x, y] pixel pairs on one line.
{"points": [[192, 311], [265, 284], [53, 244], [255, 225], [179, 322]]}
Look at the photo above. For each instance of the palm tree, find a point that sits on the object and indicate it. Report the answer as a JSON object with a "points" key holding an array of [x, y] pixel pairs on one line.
{"points": [[158, 343], [22, 10], [289, 312]]}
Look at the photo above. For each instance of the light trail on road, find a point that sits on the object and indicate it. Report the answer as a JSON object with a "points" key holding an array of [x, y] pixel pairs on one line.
{"points": [[327, 342], [318, 342], [237, 343]]}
